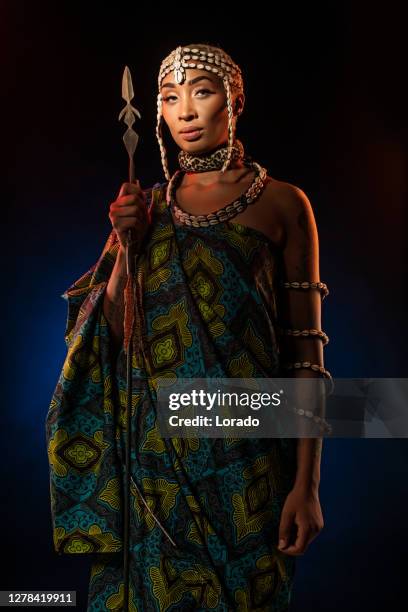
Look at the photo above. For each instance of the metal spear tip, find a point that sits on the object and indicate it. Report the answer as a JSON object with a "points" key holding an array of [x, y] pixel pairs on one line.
{"points": [[127, 86]]}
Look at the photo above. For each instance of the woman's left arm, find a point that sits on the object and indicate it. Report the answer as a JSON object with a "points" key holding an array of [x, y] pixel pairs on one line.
{"points": [[300, 309]]}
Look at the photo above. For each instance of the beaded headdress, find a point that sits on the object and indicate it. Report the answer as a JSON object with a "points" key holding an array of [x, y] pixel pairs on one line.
{"points": [[202, 57]]}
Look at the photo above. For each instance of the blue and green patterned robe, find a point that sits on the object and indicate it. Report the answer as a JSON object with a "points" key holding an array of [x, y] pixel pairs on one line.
{"points": [[210, 309]]}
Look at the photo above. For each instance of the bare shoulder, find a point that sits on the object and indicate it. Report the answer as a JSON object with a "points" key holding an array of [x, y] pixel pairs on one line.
{"points": [[287, 199], [290, 206]]}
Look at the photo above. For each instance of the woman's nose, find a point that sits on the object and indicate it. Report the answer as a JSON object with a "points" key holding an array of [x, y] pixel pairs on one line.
{"points": [[187, 110]]}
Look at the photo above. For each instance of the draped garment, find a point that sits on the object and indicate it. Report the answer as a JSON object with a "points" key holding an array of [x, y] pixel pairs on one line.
{"points": [[210, 309]]}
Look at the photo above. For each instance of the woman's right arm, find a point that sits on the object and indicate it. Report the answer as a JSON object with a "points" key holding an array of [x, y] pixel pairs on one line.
{"points": [[129, 211], [113, 303]]}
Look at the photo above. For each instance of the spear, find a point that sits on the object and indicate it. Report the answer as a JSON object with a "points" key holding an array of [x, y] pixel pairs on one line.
{"points": [[130, 138]]}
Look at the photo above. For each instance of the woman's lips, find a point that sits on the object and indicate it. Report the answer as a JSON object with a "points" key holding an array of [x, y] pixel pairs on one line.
{"points": [[191, 135]]}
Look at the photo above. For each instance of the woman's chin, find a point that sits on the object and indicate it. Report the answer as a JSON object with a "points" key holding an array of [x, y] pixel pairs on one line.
{"points": [[198, 147], [195, 146]]}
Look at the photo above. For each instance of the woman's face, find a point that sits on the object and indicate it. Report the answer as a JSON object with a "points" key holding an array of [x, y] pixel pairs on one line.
{"points": [[196, 110]]}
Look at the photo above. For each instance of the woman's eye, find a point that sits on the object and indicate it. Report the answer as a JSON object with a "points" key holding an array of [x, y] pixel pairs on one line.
{"points": [[205, 91]]}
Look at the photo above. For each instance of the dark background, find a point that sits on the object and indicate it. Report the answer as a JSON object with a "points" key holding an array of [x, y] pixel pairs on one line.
{"points": [[326, 110]]}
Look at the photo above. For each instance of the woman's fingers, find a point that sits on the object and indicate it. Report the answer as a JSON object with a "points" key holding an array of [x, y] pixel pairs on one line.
{"points": [[285, 529], [301, 542], [131, 189], [129, 203], [129, 211]]}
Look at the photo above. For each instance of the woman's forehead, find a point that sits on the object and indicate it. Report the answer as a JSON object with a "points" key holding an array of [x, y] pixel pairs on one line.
{"points": [[192, 74]]}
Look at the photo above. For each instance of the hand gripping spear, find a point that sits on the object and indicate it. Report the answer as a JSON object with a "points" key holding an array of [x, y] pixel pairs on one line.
{"points": [[130, 138]]}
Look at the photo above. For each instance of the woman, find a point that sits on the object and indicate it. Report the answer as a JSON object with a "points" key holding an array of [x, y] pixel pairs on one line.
{"points": [[216, 523]]}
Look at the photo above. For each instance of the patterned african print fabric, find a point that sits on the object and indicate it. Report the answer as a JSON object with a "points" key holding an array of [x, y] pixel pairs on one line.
{"points": [[209, 310]]}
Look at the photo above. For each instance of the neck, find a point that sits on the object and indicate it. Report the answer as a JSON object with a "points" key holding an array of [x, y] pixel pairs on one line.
{"points": [[206, 168], [214, 176]]}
